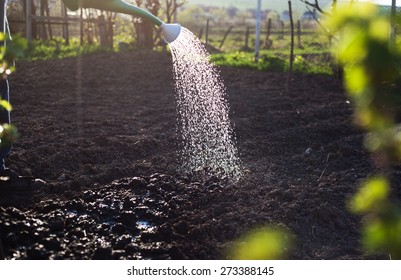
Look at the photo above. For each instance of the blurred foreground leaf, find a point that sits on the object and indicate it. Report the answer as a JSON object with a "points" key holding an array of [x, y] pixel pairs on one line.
{"points": [[383, 234], [373, 82], [8, 133], [6, 105], [382, 223], [371, 196], [10, 51], [266, 243]]}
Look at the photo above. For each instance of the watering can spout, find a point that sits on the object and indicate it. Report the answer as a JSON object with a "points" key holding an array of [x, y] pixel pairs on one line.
{"points": [[170, 31]]}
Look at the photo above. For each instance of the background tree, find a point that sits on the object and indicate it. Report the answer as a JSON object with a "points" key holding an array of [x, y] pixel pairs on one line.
{"points": [[192, 16], [232, 12], [145, 28], [315, 5], [171, 7], [243, 16], [16, 11]]}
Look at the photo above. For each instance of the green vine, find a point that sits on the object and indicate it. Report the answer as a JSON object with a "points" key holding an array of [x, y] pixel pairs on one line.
{"points": [[373, 83]]}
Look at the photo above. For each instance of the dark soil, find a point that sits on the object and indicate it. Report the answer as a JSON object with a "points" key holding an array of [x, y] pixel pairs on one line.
{"points": [[100, 131]]}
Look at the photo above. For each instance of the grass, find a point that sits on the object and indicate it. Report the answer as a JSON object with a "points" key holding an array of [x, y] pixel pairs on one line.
{"points": [[312, 52], [57, 49], [311, 40], [271, 62]]}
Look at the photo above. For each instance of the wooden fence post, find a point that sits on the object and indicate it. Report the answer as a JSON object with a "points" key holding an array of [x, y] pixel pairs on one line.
{"points": [[42, 27], [45, 26], [248, 30], [392, 22], [207, 32], [47, 10], [299, 44], [269, 27], [66, 34], [200, 33], [110, 32], [292, 45], [257, 31], [28, 20], [225, 36], [81, 27], [102, 25], [268, 42]]}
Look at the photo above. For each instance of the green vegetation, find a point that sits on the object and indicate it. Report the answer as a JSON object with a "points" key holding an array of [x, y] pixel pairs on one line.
{"points": [[269, 61], [373, 79], [57, 49], [311, 41], [15, 49], [274, 62], [266, 243]]}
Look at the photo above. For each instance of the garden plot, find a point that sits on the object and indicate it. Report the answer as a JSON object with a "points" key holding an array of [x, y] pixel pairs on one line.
{"points": [[100, 130]]}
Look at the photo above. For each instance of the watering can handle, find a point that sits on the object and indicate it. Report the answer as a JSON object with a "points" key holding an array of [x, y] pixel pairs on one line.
{"points": [[170, 31], [118, 6]]}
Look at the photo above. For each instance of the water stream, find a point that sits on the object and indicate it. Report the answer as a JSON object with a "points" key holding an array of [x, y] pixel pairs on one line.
{"points": [[208, 139]]}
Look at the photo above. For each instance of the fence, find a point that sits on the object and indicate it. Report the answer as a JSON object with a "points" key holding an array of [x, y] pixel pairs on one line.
{"points": [[36, 20], [310, 39], [311, 42], [274, 36]]}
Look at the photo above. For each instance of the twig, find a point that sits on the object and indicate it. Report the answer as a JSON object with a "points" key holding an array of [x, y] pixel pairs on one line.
{"points": [[225, 36], [315, 5], [324, 170], [321, 25], [313, 231]]}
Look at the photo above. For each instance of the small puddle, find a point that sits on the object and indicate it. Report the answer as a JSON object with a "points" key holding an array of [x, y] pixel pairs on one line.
{"points": [[145, 226]]}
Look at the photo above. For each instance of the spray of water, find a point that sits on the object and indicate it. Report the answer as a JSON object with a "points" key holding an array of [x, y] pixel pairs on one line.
{"points": [[207, 135]]}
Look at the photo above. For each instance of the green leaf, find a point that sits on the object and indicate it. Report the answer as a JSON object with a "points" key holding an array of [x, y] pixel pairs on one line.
{"points": [[8, 133], [371, 196], [6, 105], [266, 243], [383, 234]]}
